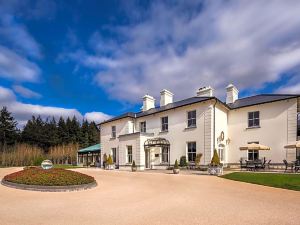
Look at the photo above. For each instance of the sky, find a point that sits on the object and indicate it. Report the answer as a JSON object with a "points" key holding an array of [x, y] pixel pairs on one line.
{"points": [[97, 59]]}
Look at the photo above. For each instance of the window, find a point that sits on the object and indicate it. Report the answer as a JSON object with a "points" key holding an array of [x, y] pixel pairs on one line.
{"points": [[165, 155], [191, 151], [164, 123], [192, 118], [143, 127], [114, 154], [113, 131], [253, 154], [253, 119], [129, 154]]}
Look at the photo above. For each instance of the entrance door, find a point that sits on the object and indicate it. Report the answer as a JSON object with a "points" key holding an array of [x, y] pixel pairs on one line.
{"points": [[147, 158]]}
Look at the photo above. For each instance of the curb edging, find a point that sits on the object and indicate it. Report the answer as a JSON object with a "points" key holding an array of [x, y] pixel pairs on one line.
{"points": [[49, 188]]}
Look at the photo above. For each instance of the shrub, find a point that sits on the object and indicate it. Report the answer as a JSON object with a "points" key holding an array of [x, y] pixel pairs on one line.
{"points": [[215, 161], [50, 177], [176, 166], [183, 162], [104, 158], [198, 158], [133, 164], [110, 160], [38, 161]]}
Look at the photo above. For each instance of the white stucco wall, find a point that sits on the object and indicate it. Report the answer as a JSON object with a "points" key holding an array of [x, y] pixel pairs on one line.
{"points": [[278, 122], [178, 134]]}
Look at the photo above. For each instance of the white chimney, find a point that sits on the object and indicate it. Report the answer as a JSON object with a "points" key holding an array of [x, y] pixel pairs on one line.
{"points": [[232, 94], [148, 103], [166, 97], [205, 92]]}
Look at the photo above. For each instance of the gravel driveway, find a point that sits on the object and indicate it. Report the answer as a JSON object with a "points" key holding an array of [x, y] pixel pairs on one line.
{"points": [[151, 198]]}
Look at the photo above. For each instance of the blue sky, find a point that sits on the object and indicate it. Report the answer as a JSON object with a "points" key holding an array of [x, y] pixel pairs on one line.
{"points": [[96, 59]]}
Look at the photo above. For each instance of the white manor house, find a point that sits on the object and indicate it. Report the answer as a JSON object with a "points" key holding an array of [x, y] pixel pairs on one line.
{"points": [[157, 136]]}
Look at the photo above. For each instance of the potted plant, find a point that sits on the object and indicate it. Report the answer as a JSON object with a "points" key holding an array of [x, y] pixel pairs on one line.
{"points": [[176, 167], [215, 167], [110, 163], [198, 159], [104, 160], [183, 161], [133, 166]]}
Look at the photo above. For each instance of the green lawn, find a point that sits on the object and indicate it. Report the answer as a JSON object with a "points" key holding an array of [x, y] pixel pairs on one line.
{"points": [[286, 181]]}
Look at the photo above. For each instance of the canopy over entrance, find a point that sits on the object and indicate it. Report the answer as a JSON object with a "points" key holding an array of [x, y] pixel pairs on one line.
{"points": [[254, 146], [156, 142], [293, 145]]}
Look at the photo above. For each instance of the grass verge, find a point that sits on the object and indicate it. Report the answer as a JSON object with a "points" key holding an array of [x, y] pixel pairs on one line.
{"points": [[286, 181]]}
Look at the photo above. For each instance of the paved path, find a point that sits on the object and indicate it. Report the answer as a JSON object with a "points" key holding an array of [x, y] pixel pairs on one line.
{"points": [[151, 198]]}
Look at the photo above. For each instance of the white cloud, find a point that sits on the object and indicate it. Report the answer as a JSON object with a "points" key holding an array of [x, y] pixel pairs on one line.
{"points": [[15, 67], [6, 95], [22, 112], [290, 89], [96, 116], [183, 46], [17, 35], [25, 92]]}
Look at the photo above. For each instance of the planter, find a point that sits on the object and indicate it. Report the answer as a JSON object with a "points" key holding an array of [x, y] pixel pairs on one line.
{"points": [[215, 170], [176, 171], [110, 167], [133, 169]]}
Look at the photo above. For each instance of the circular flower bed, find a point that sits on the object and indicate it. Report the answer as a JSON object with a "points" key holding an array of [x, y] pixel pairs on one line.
{"points": [[36, 177]]}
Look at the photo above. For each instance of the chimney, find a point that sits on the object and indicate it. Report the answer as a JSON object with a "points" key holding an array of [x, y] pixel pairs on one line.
{"points": [[205, 92], [148, 103], [232, 94], [166, 97]]}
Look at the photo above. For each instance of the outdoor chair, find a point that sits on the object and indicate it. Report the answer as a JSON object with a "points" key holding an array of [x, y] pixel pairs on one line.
{"points": [[260, 164], [269, 163], [242, 165], [297, 166], [287, 165], [250, 165]]}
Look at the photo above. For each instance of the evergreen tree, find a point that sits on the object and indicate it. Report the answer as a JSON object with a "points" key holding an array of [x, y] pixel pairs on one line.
{"points": [[84, 134], [94, 135], [74, 130], [62, 131], [8, 128]]}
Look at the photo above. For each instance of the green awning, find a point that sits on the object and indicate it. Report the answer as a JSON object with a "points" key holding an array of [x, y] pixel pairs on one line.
{"points": [[93, 148]]}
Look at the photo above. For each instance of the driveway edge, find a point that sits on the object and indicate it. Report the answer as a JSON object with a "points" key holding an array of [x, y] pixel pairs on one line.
{"points": [[49, 188]]}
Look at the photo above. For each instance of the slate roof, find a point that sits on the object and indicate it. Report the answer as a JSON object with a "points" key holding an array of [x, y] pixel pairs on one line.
{"points": [[259, 99], [242, 102], [173, 105]]}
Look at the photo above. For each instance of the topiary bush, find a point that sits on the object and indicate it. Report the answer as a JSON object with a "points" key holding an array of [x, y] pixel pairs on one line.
{"points": [[198, 159], [215, 161], [110, 160], [133, 164], [183, 161], [176, 166]]}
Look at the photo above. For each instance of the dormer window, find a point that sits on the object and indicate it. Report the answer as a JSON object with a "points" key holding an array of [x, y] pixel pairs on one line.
{"points": [[191, 118], [143, 127], [253, 119], [113, 132]]}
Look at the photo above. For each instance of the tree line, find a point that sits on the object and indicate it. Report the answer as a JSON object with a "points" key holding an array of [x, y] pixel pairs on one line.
{"points": [[48, 132]]}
